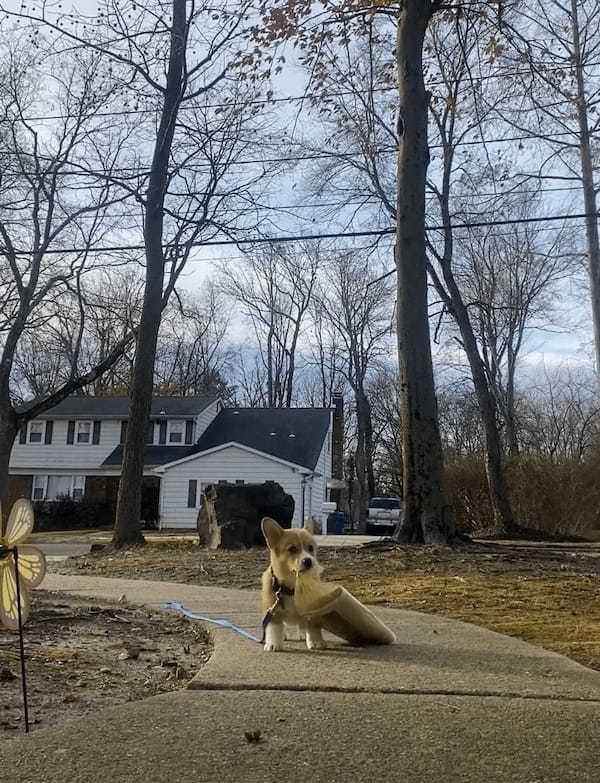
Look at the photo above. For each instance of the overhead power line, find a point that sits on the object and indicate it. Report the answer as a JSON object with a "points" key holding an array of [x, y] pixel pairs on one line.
{"points": [[132, 172], [311, 237], [336, 205], [297, 98], [334, 250]]}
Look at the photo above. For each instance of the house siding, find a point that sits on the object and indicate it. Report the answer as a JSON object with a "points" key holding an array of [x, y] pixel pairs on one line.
{"points": [[231, 464], [204, 419], [319, 483], [76, 457], [60, 456]]}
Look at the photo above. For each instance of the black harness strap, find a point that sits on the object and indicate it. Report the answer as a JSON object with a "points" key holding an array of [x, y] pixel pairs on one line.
{"points": [[279, 589]]}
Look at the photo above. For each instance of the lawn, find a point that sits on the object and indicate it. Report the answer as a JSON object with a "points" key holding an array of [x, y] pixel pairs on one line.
{"points": [[84, 654], [548, 595]]}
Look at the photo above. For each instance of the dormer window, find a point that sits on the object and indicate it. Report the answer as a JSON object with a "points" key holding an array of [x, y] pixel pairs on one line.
{"points": [[84, 432], [36, 432], [176, 431]]}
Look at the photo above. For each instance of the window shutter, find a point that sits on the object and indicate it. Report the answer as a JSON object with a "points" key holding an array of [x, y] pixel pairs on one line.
{"points": [[189, 430], [162, 434], [123, 431], [49, 431], [192, 493], [71, 432], [150, 433], [96, 433], [23, 434]]}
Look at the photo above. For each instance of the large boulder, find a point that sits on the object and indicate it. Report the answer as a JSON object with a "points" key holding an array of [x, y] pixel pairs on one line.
{"points": [[231, 514]]}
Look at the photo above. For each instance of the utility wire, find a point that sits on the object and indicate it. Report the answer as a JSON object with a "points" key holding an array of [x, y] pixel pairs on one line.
{"points": [[309, 237], [349, 249], [337, 205], [335, 250], [294, 98], [135, 173]]}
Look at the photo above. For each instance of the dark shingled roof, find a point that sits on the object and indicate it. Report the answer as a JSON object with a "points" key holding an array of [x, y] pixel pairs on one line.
{"points": [[93, 407], [153, 455], [265, 429], [269, 430]]}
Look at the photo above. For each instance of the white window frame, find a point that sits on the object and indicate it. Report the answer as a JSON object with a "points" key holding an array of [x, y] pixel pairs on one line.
{"points": [[77, 483], [42, 425], [170, 429], [43, 480], [78, 424]]}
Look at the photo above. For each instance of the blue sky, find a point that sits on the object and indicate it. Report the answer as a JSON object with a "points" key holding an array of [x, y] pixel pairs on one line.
{"points": [[569, 341]]}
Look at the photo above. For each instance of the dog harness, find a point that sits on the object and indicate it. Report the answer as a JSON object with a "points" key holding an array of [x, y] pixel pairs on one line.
{"points": [[280, 590]]}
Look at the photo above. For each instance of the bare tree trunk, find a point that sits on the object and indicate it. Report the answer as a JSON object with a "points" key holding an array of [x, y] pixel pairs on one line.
{"points": [[589, 191], [8, 433], [426, 517], [289, 389], [503, 517], [270, 387], [510, 420], [496, 480], [127, 524], [361, 476], [366, 423]]}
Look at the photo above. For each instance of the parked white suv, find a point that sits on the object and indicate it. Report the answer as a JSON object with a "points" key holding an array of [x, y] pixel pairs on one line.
{"points": [[383, 514]]}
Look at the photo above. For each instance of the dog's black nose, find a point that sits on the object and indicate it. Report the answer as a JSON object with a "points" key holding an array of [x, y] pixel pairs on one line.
{"points": [[307, 562]]}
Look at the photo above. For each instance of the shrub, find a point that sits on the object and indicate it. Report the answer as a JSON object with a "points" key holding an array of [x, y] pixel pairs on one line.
{"points": [[68, 514], [559, 498], [467, 491]]}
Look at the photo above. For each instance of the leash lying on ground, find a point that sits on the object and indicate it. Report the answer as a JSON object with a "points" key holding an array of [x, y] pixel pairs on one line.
{"points": [[278, 588], [220, 622]]}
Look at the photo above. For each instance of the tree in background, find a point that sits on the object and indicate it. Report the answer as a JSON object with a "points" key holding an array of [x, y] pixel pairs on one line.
{"points": [[193, 357], [359, 322], [510, 278], [273, 286], [47, 203], [174, 61], [559, 416], [387, 431], [425, 514], [554, 48], [46, 359]]}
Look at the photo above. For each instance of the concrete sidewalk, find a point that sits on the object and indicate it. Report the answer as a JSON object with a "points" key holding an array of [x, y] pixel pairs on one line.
{"points": [[99, 537], [450, 701]]}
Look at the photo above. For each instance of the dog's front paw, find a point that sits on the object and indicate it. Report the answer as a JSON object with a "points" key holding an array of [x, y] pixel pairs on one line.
{"points": [[273, 647], [274, 637], [315, 642]]}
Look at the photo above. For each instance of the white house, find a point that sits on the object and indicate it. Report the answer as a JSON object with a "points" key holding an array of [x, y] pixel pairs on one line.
{"points": [[76, 449]]}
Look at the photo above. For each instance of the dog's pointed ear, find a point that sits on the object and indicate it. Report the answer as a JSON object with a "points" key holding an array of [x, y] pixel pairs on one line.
{"points": [[309, 526], [271, 531]]}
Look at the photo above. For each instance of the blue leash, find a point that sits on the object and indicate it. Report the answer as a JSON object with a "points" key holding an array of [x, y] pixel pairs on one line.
{"points": [[222, 623]]}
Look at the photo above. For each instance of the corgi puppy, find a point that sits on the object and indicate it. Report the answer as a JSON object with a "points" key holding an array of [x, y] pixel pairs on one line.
{"points": [[291, 551]]}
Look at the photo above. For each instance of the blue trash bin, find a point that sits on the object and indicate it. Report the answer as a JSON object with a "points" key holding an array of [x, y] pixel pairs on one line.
{"points": [[335, 523]]}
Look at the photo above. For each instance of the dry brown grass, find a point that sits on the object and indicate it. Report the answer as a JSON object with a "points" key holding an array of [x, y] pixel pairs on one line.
{"points": [[546, 594]]}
